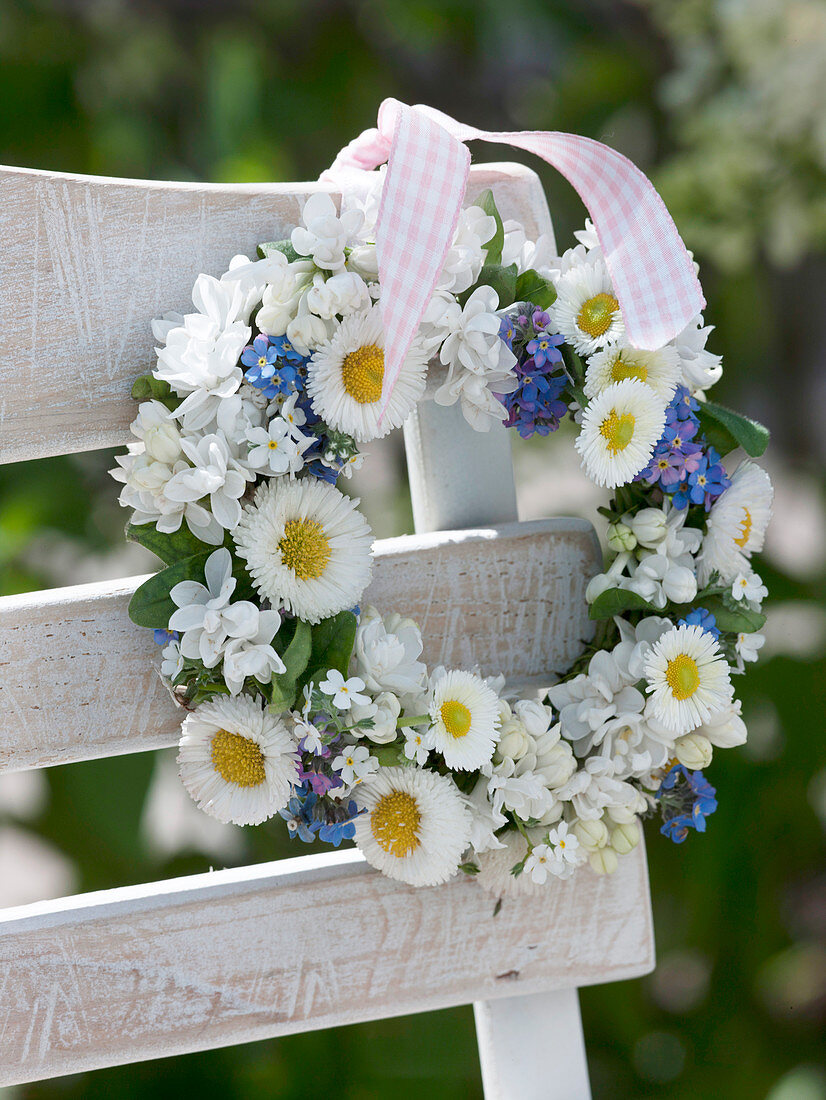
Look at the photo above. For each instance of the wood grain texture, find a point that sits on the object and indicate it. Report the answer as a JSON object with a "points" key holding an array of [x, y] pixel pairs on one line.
{"points": [[235, 956], [87, 262], [77, 678]]}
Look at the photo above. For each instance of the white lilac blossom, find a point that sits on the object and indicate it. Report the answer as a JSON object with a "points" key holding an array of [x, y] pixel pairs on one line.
{"points": [[200, 357], [323, 234], [302, 703]]}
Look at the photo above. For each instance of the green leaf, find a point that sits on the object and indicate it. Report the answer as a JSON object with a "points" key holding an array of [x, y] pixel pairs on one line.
{"points": [[151, 605], [147, 387], [296, 657], [532, 287], [169, 546], [741, 620], [495, 244], [613, 601], [726, 429], [502, 279], [332, 644], [269, 247]]}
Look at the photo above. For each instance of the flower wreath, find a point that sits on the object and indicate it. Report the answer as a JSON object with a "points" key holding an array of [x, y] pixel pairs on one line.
{"points": [[302, 705]]}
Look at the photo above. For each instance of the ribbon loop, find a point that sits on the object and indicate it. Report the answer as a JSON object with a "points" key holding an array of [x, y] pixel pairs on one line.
{"points": [[428, 163]]}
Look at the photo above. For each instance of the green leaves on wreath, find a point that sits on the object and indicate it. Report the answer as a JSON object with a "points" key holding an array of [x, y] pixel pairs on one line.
{"points": [[147, 387], [269, 247], [170, 546], [733, 620], [615, 601], [535, 288], [725, 430], [332, 644], [296, 656], [496, 243], [152, 606], [502, 279]]}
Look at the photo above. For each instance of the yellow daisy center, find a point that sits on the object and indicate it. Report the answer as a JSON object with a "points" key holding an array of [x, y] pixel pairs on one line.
{"points": [[456, 717], [238, 759], [624, 368], [394, 821], [617, 431], [747, 526], [362, 374], [305, 548], [596, 314], [682, 676]]}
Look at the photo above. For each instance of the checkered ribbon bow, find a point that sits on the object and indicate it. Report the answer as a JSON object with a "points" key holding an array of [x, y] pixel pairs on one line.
{"points": [[427, 173]]}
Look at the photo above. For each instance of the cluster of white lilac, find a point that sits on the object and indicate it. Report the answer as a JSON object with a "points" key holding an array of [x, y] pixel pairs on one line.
{"points": [[258, 403]]}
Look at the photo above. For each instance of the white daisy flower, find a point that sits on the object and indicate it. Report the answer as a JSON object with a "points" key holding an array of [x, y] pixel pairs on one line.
{"points": [[347, 383], [620, 428], [417, 825], [737, 523], [688, 678], [237, 760], [465, 716], [586, 310], [658, 369], [306, 546]]}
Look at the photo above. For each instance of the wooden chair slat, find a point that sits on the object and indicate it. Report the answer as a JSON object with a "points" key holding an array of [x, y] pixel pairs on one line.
{"points": [[234, 956], [78, 682], [86, 263]]}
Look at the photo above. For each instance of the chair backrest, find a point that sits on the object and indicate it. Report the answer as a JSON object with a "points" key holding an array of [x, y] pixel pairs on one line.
{"points": [[231, 956]]}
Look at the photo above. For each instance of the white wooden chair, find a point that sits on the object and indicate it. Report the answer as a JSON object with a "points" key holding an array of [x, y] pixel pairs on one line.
{"points": [[233, 956]]}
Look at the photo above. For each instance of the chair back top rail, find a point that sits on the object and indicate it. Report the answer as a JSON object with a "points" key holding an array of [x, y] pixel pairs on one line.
{"points": [[78, 679], [87, 263], [234, 956]]}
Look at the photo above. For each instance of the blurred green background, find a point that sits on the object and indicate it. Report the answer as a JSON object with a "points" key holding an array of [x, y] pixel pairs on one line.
{"points": [[721, 102]]}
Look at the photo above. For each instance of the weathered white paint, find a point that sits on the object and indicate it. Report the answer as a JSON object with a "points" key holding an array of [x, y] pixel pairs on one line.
{"points": [[87, 262], [235, 956], [531, 1047], [78, 679]]}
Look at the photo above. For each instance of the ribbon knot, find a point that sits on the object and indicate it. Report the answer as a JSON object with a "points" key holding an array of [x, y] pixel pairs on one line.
{"points": [[427, 171]]}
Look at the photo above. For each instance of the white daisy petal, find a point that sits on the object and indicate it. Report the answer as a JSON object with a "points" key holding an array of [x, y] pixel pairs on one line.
{"points": [[465, 716], [416, 826], [658, 369], [737, 524], [688, 678], [237, 760], [620, 428], [347, 383], [306, 546], [586, 310]]}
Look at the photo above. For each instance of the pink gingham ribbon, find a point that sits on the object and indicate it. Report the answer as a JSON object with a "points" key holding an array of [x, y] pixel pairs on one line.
{"points": [[427, 173]]}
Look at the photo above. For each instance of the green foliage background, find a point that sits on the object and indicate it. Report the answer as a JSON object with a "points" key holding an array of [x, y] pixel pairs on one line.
{"points": [[270, 89]]}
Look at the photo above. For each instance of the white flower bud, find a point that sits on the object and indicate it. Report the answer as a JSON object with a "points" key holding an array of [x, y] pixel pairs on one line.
{"points": [[597, 585], [514, 741], [625, 837], [693, 751], [648, 525], [591, 834], [621, 537], [679, 584], [604, 861], [384, 722]]}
